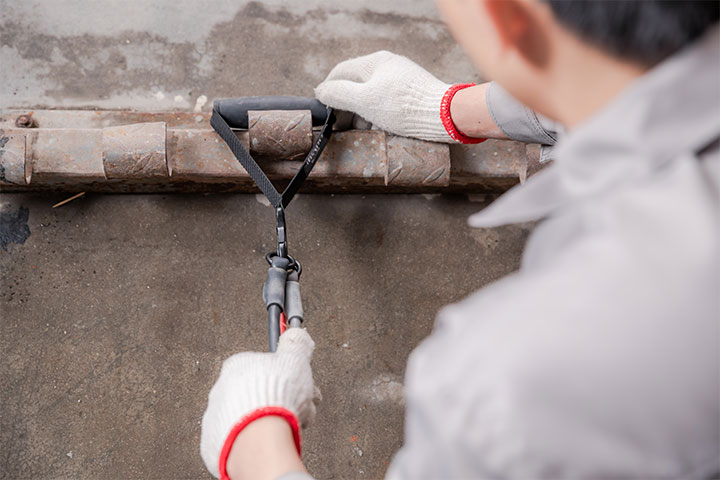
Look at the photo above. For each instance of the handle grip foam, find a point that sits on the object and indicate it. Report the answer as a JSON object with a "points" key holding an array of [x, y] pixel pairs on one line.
{"points": [[235, 110]]}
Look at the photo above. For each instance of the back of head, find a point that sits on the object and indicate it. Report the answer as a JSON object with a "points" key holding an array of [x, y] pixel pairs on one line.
{"points": [[644, 32]]}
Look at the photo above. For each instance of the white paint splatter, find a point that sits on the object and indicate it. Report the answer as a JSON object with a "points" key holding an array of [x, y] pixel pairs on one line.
{"points": [[261, 199], [69, 454], [200, 103], [159, 96], [358, 450]]}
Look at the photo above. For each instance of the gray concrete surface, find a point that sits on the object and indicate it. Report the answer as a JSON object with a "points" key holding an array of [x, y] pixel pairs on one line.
{"points": [[116, 311]]}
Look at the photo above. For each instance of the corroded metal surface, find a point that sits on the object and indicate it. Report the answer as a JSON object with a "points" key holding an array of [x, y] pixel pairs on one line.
{"points": [[280, 134], [12, 159], [63, 156], [413, 163], [103, 118], [135, 152], [201, 156], [493, 165], [351, 159], [534, 164], [103, 153]]}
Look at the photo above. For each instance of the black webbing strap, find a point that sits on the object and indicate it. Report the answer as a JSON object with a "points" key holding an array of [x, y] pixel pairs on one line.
{"points": [[276, 198]]}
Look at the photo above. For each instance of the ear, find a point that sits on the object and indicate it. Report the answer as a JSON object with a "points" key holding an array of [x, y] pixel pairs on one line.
{"points": [[520, 28]]}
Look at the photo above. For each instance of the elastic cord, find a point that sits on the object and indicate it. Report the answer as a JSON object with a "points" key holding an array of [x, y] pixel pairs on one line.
{"points": [[247, 420], [446, 118]]}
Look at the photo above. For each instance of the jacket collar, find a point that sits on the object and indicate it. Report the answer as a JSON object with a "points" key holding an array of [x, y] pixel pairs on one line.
{"points": [[671, 110]]}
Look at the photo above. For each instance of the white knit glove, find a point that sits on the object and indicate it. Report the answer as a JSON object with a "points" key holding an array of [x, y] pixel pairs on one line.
{"points": [[390, 91], [252, 385]]}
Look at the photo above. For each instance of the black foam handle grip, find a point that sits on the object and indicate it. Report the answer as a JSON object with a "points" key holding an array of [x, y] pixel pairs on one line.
{"points": [[235, 110]]}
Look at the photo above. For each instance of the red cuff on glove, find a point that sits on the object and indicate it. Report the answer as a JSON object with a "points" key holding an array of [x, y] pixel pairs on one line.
{"points": [[247, 420], [446, 118]]}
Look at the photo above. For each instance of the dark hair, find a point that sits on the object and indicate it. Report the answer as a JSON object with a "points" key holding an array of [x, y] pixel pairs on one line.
{"points": [[646, 31]]}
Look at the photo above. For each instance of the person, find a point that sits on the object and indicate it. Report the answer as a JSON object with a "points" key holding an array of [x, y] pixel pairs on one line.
{"points": [[599, 357]]}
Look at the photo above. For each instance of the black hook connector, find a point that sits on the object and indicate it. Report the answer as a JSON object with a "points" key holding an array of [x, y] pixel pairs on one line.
{"points": [[282, 247]]}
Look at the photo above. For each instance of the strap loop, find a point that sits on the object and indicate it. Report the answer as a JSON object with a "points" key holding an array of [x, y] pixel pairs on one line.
{"points": [[276, 198], [281, 263]]}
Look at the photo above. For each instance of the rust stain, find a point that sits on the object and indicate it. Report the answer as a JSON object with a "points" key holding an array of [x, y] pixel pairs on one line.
{"points": [[294, 122]]}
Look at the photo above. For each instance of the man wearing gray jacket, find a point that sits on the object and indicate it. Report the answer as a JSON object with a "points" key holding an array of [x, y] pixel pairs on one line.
{"points": [[599, 358]]}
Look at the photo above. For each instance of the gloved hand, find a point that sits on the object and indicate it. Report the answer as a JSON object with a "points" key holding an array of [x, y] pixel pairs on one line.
{"points": [[395, 94], [253, 385]]}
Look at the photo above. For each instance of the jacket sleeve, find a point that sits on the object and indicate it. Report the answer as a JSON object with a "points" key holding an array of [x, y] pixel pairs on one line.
{"points": [[519, 122], [562, 373]]}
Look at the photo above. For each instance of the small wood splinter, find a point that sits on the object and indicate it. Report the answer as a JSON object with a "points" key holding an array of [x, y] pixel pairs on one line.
{"points": [[67, 200]]}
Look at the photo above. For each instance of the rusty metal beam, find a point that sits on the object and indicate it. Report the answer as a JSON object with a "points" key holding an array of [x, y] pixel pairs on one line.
{"points": [[280, 134], [135, 152], [122, 151]]}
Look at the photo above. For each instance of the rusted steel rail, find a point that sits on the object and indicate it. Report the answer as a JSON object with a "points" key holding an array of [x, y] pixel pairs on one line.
{"points": [[125, 151]]}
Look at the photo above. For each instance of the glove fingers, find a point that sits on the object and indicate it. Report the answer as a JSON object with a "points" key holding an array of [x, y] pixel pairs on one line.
{"points": [[350, 70], [296, 341], [358, 69], [341, 94]]}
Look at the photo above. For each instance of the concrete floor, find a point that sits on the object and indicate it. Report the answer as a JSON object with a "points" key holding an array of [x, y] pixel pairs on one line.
{"points": [[117, 310]]}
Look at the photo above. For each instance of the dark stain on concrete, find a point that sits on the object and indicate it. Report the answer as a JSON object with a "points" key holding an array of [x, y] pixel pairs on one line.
{"points": [[395, 19], [96, 66], [256, 10], [233, 60], [14, 226], [284, 53]]}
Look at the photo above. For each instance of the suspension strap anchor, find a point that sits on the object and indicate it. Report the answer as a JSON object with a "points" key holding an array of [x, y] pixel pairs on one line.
{"points": [[282, 291]]}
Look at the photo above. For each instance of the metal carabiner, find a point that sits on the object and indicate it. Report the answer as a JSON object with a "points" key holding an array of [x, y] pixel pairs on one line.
{"points": [[293, 265]]}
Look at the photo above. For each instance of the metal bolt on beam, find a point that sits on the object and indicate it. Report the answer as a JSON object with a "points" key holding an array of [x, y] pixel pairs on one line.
{"points": [[26, 120]]}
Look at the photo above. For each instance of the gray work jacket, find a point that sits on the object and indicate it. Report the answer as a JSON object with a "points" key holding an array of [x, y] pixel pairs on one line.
{"points": [[599, 357]]}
